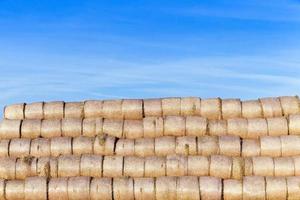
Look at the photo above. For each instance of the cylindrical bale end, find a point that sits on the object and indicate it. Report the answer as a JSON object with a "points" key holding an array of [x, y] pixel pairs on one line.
{"points": [[152, 107], [211, 108], [36, 188], [112, 109], [54, 110], [71, 127], [254, 187], [188, 188], [34, 110], [165, 146], [220, 166], [190, 106], [51, 128], [132, 109], [14, 111], [231, 108], [271, 107], [290, 105], [171, 106], [210, 187], [74, 110], [79, 188], [92, 108]]}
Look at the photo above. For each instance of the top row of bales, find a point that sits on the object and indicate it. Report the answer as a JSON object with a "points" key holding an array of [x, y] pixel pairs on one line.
{"points": [[212, 108]]}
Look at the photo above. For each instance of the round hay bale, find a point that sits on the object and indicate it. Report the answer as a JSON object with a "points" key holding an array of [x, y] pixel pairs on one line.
{"points": [[124, 147], [232, 189], [14, 190], [176, 165], [89, 127], [82, 145], [254, 187], [284, 166], [31, 128], [231, 108], [101, 189], [211, 108], [19, 147], [60, 146], [289, 105], [220, 166], [230, 145], [74, 110], [4, 148], [186, 145], [123, 189], [263, 166], [248, 166], [34, 110], [208, 145], [79, 188], [166, 188], [132, 109], [195, 126], [237, 127], [270, 146], [91, 165], [40, 147], [68, 166], [71, 127], [190, 106], [290, 145], [33, 166], [174, 126], [152, 107], [2, 189], [238, 168], [276, 188], [113, 128], [144, 147], [53, 167], [8, 168], [144, 188], [133, 129], [165, 145], [54, 110], [251, 109], [171, 106], [296, 160], [198, 166], [134, 166], [113, 166], [99, 126], [104, 145], [10, 128], [92, 108], [257, 128], [294, 124], [36, 188], [217, 127], [112, 109], [293, 190], [51, 128], [277, 126], [188, 188], [271, 107], [14, 111], [155, 166], [43, 167], [250, 148], [58, 189], [153, 127], [23, 168], [210, 188]]}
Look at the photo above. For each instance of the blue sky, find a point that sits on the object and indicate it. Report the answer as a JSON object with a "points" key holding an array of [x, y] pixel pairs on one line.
{"points": [[74, 50]]}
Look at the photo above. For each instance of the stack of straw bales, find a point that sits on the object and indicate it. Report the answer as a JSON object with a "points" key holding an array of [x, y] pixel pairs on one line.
{"points": [[156, 149]]}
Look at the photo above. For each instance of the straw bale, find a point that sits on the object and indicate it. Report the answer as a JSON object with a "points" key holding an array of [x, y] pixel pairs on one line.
{"points": [[82, 145], [34, 110], [196, 126], [36, 188], [270, 146], [40, 147], [289, 105], [14, 190], [296, 160], [153, 127], [257, 128], [217, 127], [276, 188], [58, 189], [51, 128], [250, 147], [271, 107], [10, 128], [254, 187], [198, 166], [293, 189], [165, 145], [2, 189], [124, 147], [112, 109], [176, 165], [208, 145], [68, 166], [166, 188], [91, 165], [186, 145], [74, 110], [134, 166], [263, 166], [104, 145], [230, 145], [92, 108], [188, 188], [4, 148], [89, 127], [79, 188], [190, 106], [238, 168], [133, 129], [60, 146], [174, 126], [171, 106], [23, 168], [210, 188], [277, 126], [290, 145], [220, 166], [251, 109], [43, 167], [155, 166], [132, 109], [237, 127], [231, 108], [284, 166], [19, 147], [248, 166], [113, 127], [152, 107], [113, 166], [144, 188], [294, 124], [233, 189], [31, 128], [8, 168], [101, 189], [144, 147], [123, 189], [54, 110], [211, 108], [14, 111], [71, 127]]}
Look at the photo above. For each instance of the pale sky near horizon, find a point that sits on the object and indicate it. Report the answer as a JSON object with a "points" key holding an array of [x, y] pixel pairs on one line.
{"points": [[75, 50]]}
